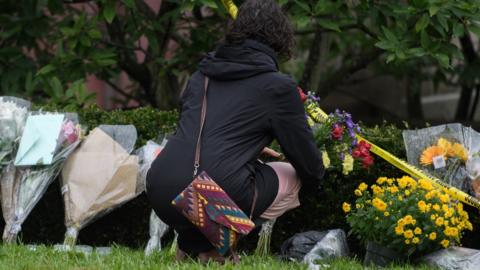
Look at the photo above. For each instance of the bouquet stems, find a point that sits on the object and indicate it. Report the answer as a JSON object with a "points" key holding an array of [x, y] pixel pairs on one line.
{"points": [[263, 245]]}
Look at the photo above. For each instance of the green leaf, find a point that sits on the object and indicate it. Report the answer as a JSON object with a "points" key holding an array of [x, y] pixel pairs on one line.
{"points": [[95, 34], [389, 34], [443, 59], [425, 40], [458, 30], [433, 10], [417, 52], [129, 3], [390, 58], [443, 21], [303, 6], [475, 29], [329, 24], [109, 11], [56, 87], [45, 70], [422, 23]]}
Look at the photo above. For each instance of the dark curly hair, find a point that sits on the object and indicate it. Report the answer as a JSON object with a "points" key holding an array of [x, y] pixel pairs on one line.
{"points": [[264, 21]]}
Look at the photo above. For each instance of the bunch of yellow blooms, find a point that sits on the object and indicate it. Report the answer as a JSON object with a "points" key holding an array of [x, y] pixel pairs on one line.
{"points": [[445, 149], [406, 215]]}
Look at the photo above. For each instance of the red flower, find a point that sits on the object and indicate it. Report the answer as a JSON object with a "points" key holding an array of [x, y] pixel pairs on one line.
{"points": [[367, 161], [337, 132], [303, 97]]}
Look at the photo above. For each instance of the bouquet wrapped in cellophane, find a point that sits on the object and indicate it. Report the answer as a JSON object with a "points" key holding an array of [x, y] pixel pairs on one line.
{"points": [[13, 114], [336, 136], [47, 140], [146, 155], [99, 176], [449, 152]]}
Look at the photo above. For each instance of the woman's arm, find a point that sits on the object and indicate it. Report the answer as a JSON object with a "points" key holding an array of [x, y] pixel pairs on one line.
{"points": [[292, 132]]}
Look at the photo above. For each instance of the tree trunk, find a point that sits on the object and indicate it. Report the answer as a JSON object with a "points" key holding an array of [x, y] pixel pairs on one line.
{"points": [[414, 103], [464, 103], [312, 62]]}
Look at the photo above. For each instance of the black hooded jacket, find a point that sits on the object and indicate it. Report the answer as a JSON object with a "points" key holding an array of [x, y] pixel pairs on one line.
{"points": [[249, 104]]}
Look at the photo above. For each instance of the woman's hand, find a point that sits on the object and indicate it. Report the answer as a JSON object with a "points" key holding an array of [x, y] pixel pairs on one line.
{"points": [[272, 153]]}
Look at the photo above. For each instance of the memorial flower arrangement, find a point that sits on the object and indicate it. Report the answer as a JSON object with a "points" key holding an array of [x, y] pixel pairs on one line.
{"points": [[337, 139], [407, 216]]}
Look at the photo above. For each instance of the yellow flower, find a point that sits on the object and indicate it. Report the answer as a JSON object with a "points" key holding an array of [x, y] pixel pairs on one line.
{"points": [[386, 214], [422, 206], [346, 207], [381, 180], [408, 234], [436, 207], [358, 206], [425, 184], [402, 182], [445, 243], [325, 159], [459, 151], [358, 192], [432, 236], [446, 145], [414, 221], [399, 230], [407, 241], [401, 222], [417, 230], [408, 219], [430, 194], [400, 198], [451, 232], [407, 192], [433, 217], [377, 190], [415, 240], [439, 221], [379, 204], [393, 189], [390, 181], [362, 187], [347, 164], [445, 198], [431, 152]]}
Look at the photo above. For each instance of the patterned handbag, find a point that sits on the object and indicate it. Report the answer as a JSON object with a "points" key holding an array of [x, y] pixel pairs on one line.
{"points": [[209, 207]]}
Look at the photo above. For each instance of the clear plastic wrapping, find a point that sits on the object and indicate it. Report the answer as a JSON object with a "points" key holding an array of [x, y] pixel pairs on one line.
{"points": [[312, 246], [157, 230], [454, 258], [99, 176], [23, 186], [146, 155], [13, 114], [449, 152]]}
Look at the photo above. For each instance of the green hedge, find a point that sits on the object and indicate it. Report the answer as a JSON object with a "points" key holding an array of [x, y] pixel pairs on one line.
{"points": [[128, 225]]}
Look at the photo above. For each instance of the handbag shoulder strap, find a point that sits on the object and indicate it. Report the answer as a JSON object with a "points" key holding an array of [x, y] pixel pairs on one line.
{"points": [[202, 123], [199, 139]]}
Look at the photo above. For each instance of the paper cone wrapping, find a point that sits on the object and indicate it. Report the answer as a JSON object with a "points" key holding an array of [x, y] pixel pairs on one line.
{"points": [[98, 177]]}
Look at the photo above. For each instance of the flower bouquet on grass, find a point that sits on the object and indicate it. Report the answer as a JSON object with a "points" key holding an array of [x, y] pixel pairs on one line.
{"points": [[13, 114], [99, 176], [48, 139], [336, 138], [398, 218], [447, 152], [157, 228]]}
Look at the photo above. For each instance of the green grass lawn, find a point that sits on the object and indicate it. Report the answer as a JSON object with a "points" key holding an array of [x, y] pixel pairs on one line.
{"points": [[20, 257]]}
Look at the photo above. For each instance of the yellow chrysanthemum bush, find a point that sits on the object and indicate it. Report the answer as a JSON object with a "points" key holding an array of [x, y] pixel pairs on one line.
{"points": [[407, 216]]}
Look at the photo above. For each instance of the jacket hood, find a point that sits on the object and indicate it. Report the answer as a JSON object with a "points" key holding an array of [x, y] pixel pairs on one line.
{"points": [[233, 62]]}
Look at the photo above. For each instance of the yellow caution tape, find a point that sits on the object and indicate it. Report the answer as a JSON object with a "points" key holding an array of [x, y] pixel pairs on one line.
{"points": [[231, 8], [319, 116]]}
